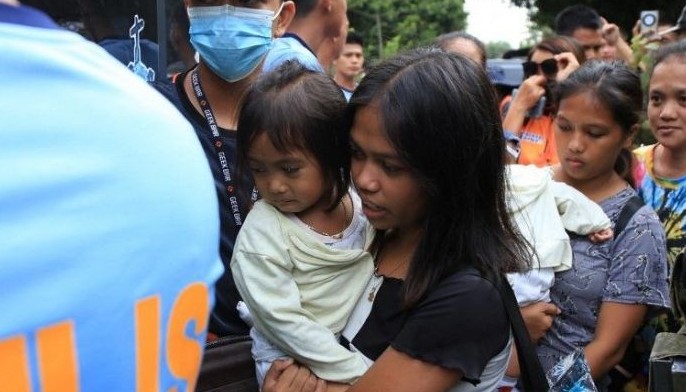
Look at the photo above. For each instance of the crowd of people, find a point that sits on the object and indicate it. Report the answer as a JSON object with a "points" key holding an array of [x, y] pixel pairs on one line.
{"points": [[358, 223]]}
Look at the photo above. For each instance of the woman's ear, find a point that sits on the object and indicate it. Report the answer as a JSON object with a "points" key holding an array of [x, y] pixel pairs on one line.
{"points": [[284, 19]]}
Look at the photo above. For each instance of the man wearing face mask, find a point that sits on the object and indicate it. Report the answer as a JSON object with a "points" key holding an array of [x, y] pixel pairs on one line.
{"points": [[232, 38], [315, 22]]}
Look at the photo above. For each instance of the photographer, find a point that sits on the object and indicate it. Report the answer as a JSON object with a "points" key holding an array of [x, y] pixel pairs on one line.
{"points": [[527, 114]]}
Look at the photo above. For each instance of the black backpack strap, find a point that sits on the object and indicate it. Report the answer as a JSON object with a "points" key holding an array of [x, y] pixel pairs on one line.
{"points": [[630, 208], [532, 376]]}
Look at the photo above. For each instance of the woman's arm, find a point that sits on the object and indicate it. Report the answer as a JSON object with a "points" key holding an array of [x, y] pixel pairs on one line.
{"points": [[617, 324], [399, 372], [538, 318], [393, 371], [287, 376]]}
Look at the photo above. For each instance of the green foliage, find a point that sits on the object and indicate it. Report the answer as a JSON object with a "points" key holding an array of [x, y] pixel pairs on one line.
{"points": [[535, 32], [623, 13], [389, 26], [496, 49], [643, 60]]}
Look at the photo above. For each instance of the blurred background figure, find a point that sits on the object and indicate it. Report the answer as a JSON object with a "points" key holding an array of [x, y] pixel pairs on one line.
{"points": [[584, 25], [316, 23], [614, 46], [528, 114], [671, 31], [465, 44], [349, 66], [332, 47]]}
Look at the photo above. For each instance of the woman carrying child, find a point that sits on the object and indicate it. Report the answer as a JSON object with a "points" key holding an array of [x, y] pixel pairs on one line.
{"points": [[612, 285], [428, 163]]}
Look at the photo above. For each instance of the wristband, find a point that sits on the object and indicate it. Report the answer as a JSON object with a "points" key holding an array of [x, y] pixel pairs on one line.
{"points": [[512, 144], [511, 137]]}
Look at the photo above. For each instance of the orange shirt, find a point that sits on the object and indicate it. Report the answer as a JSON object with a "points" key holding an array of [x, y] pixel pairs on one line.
{"points": [[537, 139], [537, 142]]}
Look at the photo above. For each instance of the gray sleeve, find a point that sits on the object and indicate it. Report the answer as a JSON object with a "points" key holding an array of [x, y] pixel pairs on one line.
{"points": [[638, 271]]}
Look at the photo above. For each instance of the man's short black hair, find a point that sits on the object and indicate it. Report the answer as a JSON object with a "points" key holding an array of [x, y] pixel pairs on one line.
{"points": [[575, 17], [354, 38], [304, 7]]}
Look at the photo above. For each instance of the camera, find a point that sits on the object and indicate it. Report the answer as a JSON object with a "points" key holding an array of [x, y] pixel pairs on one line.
{"points": [[649, 21], [545, 104], [536, 110]]}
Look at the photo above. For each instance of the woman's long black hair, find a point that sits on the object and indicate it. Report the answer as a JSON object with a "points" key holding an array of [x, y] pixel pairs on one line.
{"points": [[440, 113]]}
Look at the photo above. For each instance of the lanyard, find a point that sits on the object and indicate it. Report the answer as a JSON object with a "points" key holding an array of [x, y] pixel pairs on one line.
{"points": [[208, 114]]}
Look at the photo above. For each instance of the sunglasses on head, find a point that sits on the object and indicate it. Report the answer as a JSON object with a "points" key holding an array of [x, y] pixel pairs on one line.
{"points": [[548, 68]]}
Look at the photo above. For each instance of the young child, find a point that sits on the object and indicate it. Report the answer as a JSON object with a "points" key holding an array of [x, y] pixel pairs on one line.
{"points": [[300, 261], [544, 210]]}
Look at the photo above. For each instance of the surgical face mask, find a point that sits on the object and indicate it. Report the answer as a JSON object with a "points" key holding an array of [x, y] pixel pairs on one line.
{"points": [[232, 41]]}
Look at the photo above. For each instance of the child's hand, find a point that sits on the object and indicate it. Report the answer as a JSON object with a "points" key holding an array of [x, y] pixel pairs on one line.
{"points": [[601, 236]]}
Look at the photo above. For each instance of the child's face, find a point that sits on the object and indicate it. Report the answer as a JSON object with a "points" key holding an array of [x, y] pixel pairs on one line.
{"points": [[292, 182], [392, 197], [588, 138], [667, 103]]}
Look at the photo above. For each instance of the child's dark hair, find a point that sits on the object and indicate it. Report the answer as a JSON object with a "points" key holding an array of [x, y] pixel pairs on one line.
{"points": [[299, 109], [672, 50], [618, 89], [440, 113]]}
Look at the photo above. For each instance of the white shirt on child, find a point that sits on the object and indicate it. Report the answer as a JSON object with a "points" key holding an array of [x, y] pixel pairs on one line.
{"points": [[543, 210], [300, 287]]}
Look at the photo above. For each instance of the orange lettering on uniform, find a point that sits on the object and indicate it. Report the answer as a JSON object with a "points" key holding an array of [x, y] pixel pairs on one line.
{"points": [[57, 359], [184, 353], [148, 327], [14, 365]]}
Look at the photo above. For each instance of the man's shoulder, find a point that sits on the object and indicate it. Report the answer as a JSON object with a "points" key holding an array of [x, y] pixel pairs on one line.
{"points": [[288, 48]]}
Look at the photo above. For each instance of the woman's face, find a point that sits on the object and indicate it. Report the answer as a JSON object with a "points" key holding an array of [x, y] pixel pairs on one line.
{"points": [[667, 103], [588, 139], [541, 58], [392, 196]]}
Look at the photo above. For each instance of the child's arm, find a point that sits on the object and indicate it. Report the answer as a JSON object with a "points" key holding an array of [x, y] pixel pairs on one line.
{"points": [[578, 213]]}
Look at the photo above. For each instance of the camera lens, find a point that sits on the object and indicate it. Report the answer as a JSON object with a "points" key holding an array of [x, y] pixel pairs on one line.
{"points": [[648, 20]]}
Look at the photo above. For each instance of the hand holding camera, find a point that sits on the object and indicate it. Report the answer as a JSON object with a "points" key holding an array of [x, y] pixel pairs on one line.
{"points": [[648, 22], [534, 94], [530, 96]]}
